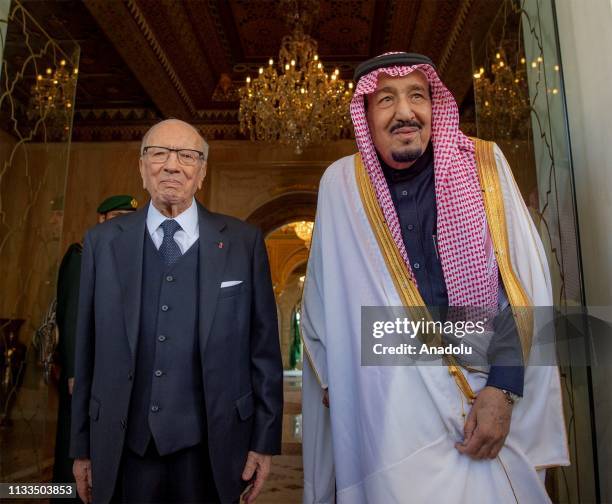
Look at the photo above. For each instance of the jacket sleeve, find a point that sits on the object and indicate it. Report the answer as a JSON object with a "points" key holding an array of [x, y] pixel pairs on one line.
{"points": [[67, 306], [84, 358], [266, 362]]}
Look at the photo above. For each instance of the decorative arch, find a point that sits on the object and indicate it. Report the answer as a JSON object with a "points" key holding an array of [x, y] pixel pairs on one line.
{"points": [[292, 263], [287, 208]]}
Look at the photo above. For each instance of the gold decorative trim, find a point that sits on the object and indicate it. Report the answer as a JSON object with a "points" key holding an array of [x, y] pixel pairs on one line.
{"points": [[407, 290], [138, 16], [312, 365], [456, 32], [508, 478], [496, 219]]}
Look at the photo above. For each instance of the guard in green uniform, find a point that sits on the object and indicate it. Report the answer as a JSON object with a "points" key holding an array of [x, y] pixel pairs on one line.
{"points": [[66, 317]]}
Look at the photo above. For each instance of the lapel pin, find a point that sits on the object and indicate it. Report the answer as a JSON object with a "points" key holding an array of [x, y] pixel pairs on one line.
{"points": [[220, 244]]}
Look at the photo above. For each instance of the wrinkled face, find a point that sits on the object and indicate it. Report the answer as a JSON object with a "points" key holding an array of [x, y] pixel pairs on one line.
{"points": [[171, 181], [111, 215], [399, 118]]}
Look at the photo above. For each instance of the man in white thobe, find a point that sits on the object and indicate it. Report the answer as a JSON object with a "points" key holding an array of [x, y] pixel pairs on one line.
{"points": [[422, 216]]}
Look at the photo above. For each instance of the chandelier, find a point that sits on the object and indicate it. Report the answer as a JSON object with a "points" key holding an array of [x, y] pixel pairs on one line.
{"points": [[303, 230], [52, 95], [296, 102], [502, 98]]}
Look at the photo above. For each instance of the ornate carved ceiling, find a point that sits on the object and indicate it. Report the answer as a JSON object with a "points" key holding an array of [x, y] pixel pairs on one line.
{"points": [[147, 59]]}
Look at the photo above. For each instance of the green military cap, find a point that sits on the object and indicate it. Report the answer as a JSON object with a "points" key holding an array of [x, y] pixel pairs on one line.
{"points": [[118, 202]]}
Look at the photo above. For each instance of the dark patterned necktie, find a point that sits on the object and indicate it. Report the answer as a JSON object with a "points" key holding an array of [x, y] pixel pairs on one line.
{"points": [[169, 249]]}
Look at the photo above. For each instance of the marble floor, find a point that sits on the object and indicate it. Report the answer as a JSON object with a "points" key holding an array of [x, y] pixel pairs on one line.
{"points": [[285, 483]]}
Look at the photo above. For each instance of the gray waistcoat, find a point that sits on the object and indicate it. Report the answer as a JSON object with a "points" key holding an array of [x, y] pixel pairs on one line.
{"points": [[167, 401]]}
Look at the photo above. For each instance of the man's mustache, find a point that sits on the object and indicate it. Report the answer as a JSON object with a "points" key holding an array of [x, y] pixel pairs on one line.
{"points": [[405, 124]]}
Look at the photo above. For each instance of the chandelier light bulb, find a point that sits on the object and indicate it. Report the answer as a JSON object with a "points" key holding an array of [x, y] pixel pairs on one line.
{"points": [[271, 62], [260, 70]]}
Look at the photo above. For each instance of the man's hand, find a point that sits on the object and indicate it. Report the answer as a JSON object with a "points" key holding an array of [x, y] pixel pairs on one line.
{"points": [[326, 398], [70, 385], [82, 474], [487, 425], [258, 466]]}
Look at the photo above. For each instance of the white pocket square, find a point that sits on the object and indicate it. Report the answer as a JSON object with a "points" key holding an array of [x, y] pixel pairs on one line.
{"points": [[230, 283]]}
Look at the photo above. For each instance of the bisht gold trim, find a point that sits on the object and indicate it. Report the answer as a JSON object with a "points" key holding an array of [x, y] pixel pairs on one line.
{"points": [[406, 288], [496, 219]]}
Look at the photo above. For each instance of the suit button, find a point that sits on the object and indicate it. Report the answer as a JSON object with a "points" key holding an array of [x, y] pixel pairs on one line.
{"points": [[410, 227], [404, 193], [158, 373], [155, 408], [164, 307], [161, 338], [416, 265], [169, 278], [123, 424]]}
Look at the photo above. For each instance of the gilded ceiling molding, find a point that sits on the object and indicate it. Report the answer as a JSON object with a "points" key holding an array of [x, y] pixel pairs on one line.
{"points": [[226, 116], [124, 33], [115, 114], [135, 132], [214, 17], [209, 116], [455, 33], [159, 52], [400, 25]]}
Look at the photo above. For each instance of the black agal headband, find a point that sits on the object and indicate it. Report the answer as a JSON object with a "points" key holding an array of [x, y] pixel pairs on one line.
{"points": [[389, 60]]}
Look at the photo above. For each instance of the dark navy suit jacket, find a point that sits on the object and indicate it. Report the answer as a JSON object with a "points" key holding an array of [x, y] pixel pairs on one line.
{"points": [[238, 336]]}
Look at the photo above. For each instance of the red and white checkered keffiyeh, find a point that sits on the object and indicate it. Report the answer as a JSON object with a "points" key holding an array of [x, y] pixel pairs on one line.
{"points": [[465, 247]]}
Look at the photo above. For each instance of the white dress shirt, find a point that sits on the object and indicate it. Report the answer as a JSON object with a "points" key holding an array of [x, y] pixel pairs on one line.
{"points": [[184, 237]]}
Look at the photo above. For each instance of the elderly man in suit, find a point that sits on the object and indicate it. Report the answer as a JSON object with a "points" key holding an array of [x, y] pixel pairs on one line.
{"points": [[178, 390]]}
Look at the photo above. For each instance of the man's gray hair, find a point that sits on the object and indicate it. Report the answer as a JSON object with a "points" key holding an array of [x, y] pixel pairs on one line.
{"points": [[145, 138]]}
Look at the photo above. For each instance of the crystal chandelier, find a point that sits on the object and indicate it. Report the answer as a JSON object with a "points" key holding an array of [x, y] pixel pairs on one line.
{"points": [[300, 104], [303, 230], [52, 95], [502, 98]]}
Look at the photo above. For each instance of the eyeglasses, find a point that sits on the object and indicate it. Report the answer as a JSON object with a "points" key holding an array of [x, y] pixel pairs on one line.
{"points": [[186, 157]]}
